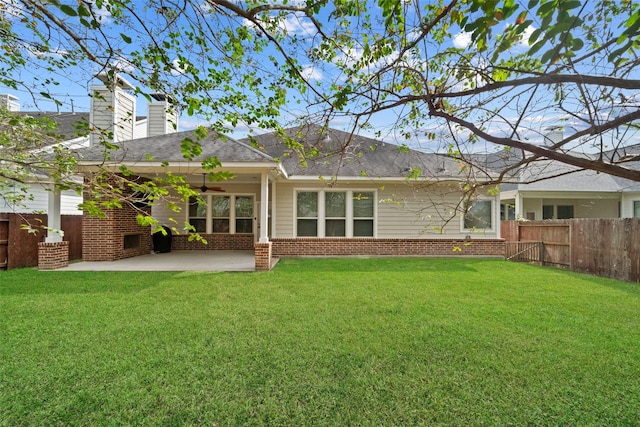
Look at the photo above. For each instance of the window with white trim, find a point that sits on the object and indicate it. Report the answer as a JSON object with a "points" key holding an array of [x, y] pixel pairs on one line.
{"points": [[363, 213], [330, 213], [478, 215], [222, 213], [198, 214], [335, 203], [636, 208], [307, 213]]}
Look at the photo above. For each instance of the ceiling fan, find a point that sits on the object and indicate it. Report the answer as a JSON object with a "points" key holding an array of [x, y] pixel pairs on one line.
{"points": [[204, 188]]}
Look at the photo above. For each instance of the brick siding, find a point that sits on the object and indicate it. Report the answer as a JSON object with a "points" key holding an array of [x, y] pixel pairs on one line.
{"points": [[386, 247], [103, 238], [215, 242], [263, 256], [53, 255]]}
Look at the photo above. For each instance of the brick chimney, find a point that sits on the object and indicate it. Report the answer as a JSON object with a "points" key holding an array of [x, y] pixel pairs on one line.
{"points": [[162, 115], [113, 108]]}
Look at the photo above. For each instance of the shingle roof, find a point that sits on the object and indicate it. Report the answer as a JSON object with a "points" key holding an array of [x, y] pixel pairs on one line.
{"points": [[67, 123], [339, 153], [168, 148]]}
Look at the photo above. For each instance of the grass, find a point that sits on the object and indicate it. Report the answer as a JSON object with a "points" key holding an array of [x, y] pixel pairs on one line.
{"points": [[321, 342]]}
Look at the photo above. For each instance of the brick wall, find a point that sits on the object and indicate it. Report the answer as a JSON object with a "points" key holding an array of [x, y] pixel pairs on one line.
{"points": [[103, 238], [215, 242], [263, 256], [385, 247], [53, 255]]}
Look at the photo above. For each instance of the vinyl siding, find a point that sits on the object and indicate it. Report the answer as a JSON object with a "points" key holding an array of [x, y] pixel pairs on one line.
{"points": [[68, 203], [403, 210], [114, 113]]}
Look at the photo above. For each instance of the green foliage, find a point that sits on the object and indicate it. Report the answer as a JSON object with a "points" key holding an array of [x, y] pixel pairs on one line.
{"points": [[398, 64]]}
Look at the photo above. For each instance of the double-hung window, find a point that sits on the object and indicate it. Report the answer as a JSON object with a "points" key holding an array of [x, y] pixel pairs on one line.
{"points": [[330, 213], [335, 203], [222, 213], [363, 211], [307, 213], [198, 214]]}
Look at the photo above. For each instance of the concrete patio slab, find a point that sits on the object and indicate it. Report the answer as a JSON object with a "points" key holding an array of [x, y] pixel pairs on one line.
{"points": [[174, 261]]}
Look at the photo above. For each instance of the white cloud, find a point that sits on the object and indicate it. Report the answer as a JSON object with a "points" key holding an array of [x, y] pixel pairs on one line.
{"points": [[311, 73], [39, 52], [293, 24], [177, 69], [103, 15], [526, 35], [297, 24], [10, 9], [462, 40], [123, 65]]}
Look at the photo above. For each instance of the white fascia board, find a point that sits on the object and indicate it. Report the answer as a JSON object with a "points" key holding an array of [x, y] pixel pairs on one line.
{"points": [[570, 195], [372, 178]]}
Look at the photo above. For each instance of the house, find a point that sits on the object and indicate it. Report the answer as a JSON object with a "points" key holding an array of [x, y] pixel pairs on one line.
{"points": [[112, 111], [549, 189], [353, 197]]}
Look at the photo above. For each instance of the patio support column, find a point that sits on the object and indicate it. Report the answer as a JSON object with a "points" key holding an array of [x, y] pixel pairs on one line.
{"points": [[54, 230], [264, 208], [263, 246], [53, 252], [519, 207]]}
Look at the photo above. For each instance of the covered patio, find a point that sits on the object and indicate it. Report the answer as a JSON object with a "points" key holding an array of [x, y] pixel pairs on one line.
{"points": [[175, 261]]}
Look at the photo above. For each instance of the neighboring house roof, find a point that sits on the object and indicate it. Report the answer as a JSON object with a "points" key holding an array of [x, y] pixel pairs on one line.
{"points": [[550, 175], [67, 123]]}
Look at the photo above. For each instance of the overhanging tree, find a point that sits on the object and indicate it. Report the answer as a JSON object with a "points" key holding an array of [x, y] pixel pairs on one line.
{"points": [[446, 74]]}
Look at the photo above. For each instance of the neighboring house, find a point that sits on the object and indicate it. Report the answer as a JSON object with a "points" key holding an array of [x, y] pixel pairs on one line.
{"points": [[553, 190], [355, 200], [113, 112]]}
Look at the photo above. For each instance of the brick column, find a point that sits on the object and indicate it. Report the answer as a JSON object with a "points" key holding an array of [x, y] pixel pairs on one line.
{"points": [[263, 256], [53, 255]]}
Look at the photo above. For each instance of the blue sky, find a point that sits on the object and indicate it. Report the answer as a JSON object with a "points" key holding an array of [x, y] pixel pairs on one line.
{"points": [[74, 85]]}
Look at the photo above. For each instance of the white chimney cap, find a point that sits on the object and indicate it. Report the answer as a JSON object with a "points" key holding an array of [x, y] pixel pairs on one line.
{"points": [[116, 79]]}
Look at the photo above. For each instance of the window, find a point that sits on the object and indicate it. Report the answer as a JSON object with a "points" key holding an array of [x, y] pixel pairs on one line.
{"points": [[565, 212], [222, 214], [335, 213], [244, 214], [547, 212], [478, 215], [507, 212], [636, 208], [307, 213], [363, 214], [198, 214]]}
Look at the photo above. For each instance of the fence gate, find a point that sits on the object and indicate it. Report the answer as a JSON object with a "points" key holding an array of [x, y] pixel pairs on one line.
{"points": [[525, 251]]}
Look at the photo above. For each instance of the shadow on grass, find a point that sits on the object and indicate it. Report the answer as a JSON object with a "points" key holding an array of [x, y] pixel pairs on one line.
{"points": [[620, 285], [30, 281]]}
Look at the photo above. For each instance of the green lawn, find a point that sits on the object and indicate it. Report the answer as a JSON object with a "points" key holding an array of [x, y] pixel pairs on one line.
{"points": [[321, 342]]}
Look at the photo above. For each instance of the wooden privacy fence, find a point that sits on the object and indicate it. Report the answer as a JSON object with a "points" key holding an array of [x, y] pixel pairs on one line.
{"points": [[19, 248], [605, 247]]}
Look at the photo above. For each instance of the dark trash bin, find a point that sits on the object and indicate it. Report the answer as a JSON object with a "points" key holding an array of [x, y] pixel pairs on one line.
{"points": [[162, 242]]}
